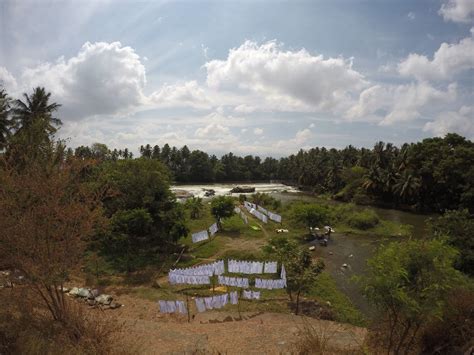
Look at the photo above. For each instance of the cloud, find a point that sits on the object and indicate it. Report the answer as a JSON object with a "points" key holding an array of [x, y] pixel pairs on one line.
{"points": [[188, 94], [284, 80], [461, 11], [258, 131], [388, 104], [411, 16], [448, 60], [102, 79], [461, 122], [7, 80], [212, 130], [300, 141]]}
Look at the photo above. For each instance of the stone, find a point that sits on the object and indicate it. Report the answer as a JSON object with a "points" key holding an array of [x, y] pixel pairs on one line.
{"points": [[74, 291], [312, 248], [114, 305], [84, 292], [242, 189], [104, 299], [94, 293]]}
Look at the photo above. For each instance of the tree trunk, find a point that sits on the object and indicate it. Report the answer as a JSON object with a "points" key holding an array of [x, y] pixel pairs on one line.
{"points": [[297, 302]]}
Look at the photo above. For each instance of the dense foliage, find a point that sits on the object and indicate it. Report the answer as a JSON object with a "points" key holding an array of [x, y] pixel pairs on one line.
{"points": [[408, 282], [145, 218], [458, 227], [435, 174]]}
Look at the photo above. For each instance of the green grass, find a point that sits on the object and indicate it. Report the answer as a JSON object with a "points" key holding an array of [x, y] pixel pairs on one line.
{"points": [[325, 289], [208, 248]]}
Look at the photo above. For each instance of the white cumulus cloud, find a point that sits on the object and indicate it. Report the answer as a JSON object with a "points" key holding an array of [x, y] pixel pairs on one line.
{"points": [[102, 79], [258, 131], [188, 94], [448, 60], [461, 122], [388, 104], [285, 80], [461, 11]]}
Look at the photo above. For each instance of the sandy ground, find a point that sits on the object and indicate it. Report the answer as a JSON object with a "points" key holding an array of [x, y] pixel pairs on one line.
{"points": [[223, 332]]}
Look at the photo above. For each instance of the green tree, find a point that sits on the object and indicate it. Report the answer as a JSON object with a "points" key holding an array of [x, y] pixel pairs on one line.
{"points": [[143, 184], [408, 282], [195, 206], [129, 232], [458, 227], [222, 207], [5, 122], [36, 107], [407, 186], [310, 215], [301, 271]]}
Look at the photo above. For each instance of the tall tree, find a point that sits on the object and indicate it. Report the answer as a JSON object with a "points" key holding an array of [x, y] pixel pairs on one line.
{"points": [[36, 107], [5, 122]]}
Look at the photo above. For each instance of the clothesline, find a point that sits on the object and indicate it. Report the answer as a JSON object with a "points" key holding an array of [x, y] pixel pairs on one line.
{"points": [[233, 281], [259, 212], [216, 302], [204, 235], [270, 284], [172, 307]]}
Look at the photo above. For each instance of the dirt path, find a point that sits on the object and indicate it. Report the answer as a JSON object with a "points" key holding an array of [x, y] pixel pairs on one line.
{"points": [[268, 333]]}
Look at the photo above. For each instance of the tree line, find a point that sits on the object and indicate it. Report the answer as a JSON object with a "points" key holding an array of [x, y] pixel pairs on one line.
{"points": [[435, 174]]}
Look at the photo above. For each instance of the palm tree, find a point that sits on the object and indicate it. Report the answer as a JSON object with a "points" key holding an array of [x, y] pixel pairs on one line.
{"points": [[195, 205], [374, 181], [34, 109], [5, 122], [407, 186]]}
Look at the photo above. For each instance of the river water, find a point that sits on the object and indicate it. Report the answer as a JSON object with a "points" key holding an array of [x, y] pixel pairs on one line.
{"points": [[353, 250]]}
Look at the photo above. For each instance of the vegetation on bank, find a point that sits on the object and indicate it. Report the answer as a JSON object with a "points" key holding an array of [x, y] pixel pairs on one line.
{"points": [[432, 175]]}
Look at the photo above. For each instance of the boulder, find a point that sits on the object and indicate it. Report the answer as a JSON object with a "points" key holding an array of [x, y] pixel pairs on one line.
{"points": [[242, 189], [312, 248], [104, 299], [94, 293], [114, 305], [74, 291], [84, 292]]}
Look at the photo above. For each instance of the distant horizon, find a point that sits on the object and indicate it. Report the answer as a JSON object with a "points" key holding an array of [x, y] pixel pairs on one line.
{"points": [[252, 78]]}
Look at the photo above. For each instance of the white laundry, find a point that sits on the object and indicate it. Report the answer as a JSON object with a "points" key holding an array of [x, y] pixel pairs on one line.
{"points": [[261, 209], [234, 298], [200, 305], [199, 236], [181, 306], [270, 267], [213, 229], [283, 272], [274, 217]]}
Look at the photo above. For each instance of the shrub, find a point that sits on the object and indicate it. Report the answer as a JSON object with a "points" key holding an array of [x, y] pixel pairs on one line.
{"points": [[365, 219]]}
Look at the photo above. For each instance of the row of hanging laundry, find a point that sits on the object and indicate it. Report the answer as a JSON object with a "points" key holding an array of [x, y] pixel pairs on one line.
{"points": [[270, 284], [242, 215], [204, 235], [251, 267], [261, 213], [172, 307], [215, 302], [233, 281], [215, 268]]}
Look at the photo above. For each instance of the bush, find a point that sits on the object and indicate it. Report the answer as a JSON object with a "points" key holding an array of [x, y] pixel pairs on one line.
{"points": [[454, 333], [360, 198], [364, 220]]}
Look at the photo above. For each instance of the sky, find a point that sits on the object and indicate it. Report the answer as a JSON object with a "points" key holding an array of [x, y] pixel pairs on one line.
{"points": [[253, 77]]}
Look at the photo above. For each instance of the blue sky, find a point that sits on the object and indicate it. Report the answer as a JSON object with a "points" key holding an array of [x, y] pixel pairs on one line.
{"points": [[253, 77]]}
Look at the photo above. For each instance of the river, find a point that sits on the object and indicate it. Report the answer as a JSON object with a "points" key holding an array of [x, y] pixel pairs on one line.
{"points": [[353, 250]]}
